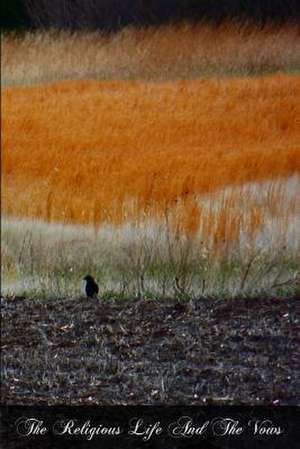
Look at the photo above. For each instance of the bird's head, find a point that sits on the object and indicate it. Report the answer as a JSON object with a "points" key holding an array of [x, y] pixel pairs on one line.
{"points": [[88, 278]]}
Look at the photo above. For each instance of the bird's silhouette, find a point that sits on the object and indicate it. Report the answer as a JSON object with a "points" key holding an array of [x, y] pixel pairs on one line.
{"points": [[91, 286]]}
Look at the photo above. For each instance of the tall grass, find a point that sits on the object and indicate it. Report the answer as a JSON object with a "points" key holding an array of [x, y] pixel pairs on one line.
{"points": [[152, 258], [185, 188], [169, 52], [92, 152]]}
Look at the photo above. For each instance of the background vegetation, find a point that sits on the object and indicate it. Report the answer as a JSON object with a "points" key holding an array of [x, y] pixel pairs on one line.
{"points": [[194, 176], [168, 52], [154, 146], [187, 186]]}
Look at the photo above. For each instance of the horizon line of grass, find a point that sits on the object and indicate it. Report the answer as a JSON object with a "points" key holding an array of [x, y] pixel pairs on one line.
{"points": [[169, 52]]}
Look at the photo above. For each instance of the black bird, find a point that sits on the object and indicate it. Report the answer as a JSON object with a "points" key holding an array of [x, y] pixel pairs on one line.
{"points": [[91, 287]]}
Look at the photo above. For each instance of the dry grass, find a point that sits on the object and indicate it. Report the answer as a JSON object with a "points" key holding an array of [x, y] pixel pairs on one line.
{"points": [[151, 259], [164, 53], [118, 151], [188, 187]]}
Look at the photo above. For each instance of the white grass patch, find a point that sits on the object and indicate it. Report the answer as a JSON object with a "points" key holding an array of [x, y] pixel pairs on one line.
{"points": [[276, 199]]}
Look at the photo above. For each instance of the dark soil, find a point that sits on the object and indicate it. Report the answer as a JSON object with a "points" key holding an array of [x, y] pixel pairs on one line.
{"points": [[208, 351]]}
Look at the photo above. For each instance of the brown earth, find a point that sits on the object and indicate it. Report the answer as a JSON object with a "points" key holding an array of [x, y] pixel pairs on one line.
{"points": [[206, 351]]}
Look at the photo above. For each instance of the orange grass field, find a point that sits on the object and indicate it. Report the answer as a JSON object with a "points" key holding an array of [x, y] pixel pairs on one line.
{"points": [[88, 151]]}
